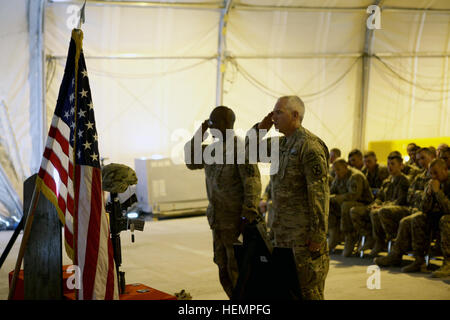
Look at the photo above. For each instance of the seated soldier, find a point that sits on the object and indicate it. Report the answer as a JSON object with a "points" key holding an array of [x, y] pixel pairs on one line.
{"points": [[434, 151], [393, 191], [414, 230], [334, 154], [444, 154], [390, 215], [410, 168], [411, 149], [355, 159], [374, 172], [349, 189], [440, 149], [435, 204]]}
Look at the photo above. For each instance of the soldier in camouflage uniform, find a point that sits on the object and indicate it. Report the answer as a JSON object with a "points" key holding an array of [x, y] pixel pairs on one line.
{"points": [[374, 172], [440, 149], [233, 190], [334, 154], [389, 216], [411, 149], [393, 192], [349, 189], [355, 159], [445, 155], [411, 171], [435, 204], [300, 194]]}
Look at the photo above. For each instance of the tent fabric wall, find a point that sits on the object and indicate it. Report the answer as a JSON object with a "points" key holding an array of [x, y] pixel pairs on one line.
{"points": [[143, 106], [15, 122], [153, 71]]}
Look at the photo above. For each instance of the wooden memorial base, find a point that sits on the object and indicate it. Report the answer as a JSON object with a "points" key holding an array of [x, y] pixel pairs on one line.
{"points": [[135, 291]]}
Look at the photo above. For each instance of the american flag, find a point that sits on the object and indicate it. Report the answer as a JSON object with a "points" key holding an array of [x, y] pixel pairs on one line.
{"points": [[70, 177]]}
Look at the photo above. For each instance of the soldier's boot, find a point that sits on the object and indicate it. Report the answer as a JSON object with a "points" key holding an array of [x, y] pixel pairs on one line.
{"points": [[368, 243], [350, 241], [416, 266], [333, 238], [392, 259], [443, 271], [377, 248]]}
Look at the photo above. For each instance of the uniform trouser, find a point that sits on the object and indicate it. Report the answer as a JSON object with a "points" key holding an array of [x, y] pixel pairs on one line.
{"points": [[339, 215], [360, 216], [421, 227], [444, 228], [223, 241], [386, 220], [312, 272], [402, 242], [312, 269], [413, 234]]}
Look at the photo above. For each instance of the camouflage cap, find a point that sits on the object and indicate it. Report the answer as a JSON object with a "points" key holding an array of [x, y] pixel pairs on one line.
{"points": [[117, 177]]}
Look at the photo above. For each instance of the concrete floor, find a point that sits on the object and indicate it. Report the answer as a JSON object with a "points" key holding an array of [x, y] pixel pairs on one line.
{"points": [[171, 255]]}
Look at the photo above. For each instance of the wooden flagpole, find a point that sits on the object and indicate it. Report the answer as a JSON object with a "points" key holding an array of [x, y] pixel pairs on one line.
{"points": [[23, 244]]}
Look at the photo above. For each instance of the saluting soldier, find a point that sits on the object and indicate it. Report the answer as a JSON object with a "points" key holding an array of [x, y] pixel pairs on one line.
{"points": [[300, 194], [233, 188]]}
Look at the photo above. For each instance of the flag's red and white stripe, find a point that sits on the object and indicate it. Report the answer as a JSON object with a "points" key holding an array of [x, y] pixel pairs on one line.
{"points": [[57, 174]]}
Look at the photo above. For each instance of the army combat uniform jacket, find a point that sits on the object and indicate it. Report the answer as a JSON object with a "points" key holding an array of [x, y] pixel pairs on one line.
{"points": [[300, 189], [377, 177], [416, 189], [393, 191], [438, 202], [353, 187]]}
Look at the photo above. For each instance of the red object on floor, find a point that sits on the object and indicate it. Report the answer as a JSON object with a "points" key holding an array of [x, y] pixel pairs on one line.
{"points": [[136, 292], [19, 293], [132, 291]]}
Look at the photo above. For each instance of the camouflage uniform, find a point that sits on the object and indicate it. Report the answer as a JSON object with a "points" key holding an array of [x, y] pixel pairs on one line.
{"points": [[392, 192], [411, 171], [405, 240], [389, 217], [267, 196], [444, 228], [351, 191], [377, 177], [233, 192], [433, 207], [300, 200]]}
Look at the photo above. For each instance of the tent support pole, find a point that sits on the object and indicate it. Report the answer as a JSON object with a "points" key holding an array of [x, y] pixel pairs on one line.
{"points": [[221, 50], [360, 130], [38, 117]]}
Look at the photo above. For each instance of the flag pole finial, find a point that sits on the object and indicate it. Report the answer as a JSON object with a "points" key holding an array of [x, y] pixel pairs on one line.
{"points": [[82, 15]]}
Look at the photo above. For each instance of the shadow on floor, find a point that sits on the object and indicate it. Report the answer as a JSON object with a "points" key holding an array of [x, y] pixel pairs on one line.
{"points": [[356, 260]]}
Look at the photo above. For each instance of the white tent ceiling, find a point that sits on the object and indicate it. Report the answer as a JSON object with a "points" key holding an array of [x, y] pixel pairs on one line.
{"points": [[153, 71]]}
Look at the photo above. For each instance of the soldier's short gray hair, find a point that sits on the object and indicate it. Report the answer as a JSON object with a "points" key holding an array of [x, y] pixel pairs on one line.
{"points": [[294, 103]]}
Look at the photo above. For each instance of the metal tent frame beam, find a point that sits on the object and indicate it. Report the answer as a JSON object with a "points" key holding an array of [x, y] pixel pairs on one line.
{"points": [[239, 6]]}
